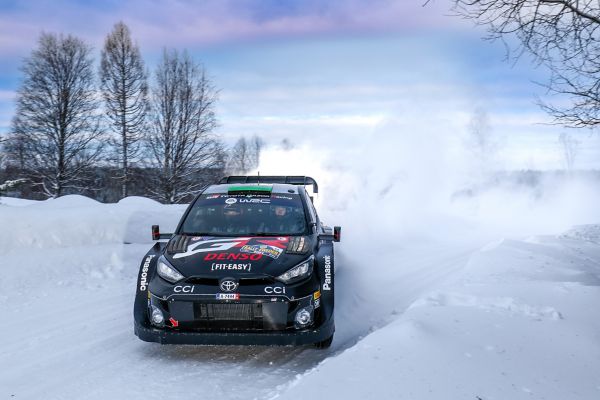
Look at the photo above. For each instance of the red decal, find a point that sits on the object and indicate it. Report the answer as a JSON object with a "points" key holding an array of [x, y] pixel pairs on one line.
{"points": [[232, 256], [174, 322], [274, 243]]}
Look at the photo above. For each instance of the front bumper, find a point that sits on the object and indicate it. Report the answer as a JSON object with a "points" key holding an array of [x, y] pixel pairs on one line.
{"points": [[149, 333]]}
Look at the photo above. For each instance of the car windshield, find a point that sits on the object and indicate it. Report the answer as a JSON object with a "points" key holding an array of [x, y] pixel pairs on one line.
{"points": [[236, 215]]}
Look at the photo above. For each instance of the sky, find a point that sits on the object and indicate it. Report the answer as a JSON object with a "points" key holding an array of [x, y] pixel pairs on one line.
{"points": [[322, 73]]}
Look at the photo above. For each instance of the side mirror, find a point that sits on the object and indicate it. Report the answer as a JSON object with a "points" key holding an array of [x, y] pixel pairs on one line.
{"points": [[337, 233], [155, 232], [156, 235]]}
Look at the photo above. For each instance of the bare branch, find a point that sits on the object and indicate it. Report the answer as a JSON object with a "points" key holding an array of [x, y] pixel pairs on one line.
{"points": [[562, 35], [55, 131], [181, 140]]}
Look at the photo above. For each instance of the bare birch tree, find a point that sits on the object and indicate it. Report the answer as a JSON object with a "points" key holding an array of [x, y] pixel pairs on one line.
{"points": [[563, 35], [245, 155], [124, 89], [481, 144], [182, 143], [56, 125], [570, 148]]}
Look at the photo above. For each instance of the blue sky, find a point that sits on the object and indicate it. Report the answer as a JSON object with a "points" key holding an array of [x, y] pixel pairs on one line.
{"points": [[319, 72]]}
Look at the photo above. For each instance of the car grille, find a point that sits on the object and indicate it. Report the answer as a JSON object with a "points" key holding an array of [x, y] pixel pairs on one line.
{"points": [[228, 312], [230, 316]]}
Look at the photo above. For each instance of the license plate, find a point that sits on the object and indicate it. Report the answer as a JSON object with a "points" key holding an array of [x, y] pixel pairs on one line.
{"points": [[228, 296]]}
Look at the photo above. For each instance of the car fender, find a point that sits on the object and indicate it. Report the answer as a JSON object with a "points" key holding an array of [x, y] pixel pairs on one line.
{"points": [[146, 273], [325, 267]]}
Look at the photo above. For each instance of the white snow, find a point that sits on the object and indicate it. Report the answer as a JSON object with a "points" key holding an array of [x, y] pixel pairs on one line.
{"points": [[522, 322], [487, 297]]}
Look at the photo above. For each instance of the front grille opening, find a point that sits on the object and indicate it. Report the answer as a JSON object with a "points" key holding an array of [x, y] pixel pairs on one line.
{"points": [[228, 312], [228, 316]]}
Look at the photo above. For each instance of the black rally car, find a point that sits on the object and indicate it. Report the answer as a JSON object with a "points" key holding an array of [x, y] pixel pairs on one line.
{"points": [[249, 263]]}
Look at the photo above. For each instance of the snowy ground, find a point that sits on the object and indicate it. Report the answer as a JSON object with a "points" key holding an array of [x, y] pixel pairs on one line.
{"points": [[452, 310]]}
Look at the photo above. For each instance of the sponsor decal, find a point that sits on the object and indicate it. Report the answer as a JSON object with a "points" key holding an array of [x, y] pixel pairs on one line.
{"points": [[317, 294], [212, 245], [213, 196], [317, 303], [183, 289], [174, 322], [263, 249], [196, 238], [228, 285], [144, 275], [277, 196], [327, 283], [274, 290], [255, 201], [232, 256], [228, 267], [228, 296], [278, 242], [230, 200]]}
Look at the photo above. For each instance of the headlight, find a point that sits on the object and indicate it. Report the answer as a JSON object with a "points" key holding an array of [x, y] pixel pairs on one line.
{"points": [[299, 272], [167, 272]]}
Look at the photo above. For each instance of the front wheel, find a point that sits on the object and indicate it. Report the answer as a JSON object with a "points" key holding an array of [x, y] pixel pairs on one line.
{"points": [[325, 344]]}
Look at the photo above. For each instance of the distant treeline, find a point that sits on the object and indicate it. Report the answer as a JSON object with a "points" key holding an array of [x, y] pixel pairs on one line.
{"points": [[103, 184], [115, 130]]}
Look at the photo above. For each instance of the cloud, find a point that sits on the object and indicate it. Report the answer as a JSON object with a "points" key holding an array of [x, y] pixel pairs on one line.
{"points": [[192, 23]]}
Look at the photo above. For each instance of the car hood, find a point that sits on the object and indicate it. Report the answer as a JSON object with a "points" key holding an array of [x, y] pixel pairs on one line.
{"points": [[244, 256]]}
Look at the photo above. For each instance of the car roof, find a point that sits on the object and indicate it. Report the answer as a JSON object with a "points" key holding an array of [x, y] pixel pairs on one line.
{"points": [[277, 187]]}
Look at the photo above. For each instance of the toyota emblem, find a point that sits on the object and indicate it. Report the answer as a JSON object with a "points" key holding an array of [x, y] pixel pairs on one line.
{"points": [[228, 285]]}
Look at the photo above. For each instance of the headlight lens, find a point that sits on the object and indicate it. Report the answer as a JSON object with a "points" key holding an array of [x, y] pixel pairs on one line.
{"points": [[299, 272], [167, 272]]}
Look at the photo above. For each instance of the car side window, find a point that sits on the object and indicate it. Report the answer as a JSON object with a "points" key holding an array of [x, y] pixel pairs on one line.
{"points": [[311, 208]]}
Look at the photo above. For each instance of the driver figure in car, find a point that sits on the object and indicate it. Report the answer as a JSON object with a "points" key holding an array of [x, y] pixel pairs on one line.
{"points": [[281, 221]]}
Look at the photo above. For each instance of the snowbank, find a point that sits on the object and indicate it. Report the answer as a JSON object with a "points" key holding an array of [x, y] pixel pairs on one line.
{"points": [[77, 221], [521, 322]]}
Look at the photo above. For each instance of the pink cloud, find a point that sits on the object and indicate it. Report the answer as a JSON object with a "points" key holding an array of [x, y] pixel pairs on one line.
{"points": [[188, 23]]}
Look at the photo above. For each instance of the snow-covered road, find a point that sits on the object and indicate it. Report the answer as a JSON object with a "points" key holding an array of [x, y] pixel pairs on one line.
{"points": [[68, 309], [418, 316]]}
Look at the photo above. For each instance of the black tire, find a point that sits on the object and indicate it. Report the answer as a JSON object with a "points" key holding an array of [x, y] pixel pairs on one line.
{"points": [[325, 344]]}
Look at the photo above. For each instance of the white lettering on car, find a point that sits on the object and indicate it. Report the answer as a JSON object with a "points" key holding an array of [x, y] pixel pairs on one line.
{"points": [[144, 275], [183, 289], [223, 267], [327, 283], [274, 290]]}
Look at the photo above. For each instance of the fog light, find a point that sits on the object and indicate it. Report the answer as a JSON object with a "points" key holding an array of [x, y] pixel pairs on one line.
{"points": [[304, 317], [157, 316]]}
